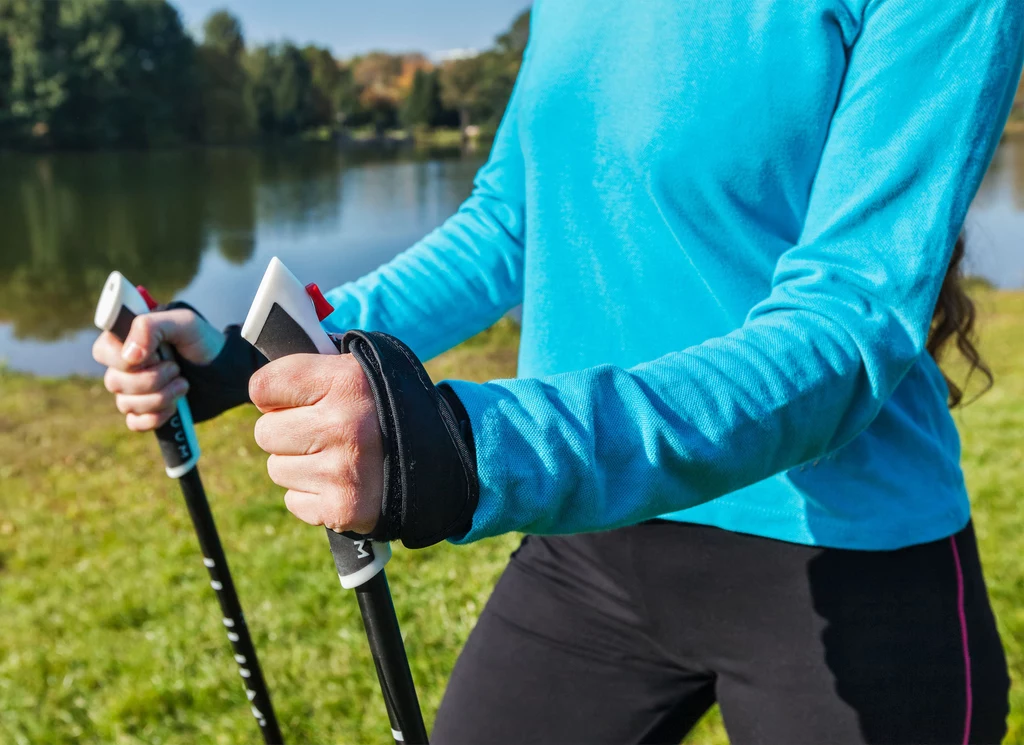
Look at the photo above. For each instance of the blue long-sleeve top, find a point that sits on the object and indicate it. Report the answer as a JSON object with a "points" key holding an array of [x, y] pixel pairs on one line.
{"points": [[727, 225]]}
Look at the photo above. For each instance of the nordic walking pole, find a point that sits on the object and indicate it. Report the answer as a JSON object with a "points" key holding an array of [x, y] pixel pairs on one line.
{"points": [[283, 320], [119, 304]]}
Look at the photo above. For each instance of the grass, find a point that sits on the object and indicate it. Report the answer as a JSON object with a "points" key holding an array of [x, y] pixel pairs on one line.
{"points": [[110, 633]]}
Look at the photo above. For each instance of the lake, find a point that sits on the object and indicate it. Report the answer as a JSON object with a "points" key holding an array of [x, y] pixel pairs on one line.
{"points": [[201, 225]]}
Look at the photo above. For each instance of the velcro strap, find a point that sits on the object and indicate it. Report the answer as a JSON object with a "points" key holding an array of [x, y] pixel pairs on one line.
{"points": [[430, 481]]}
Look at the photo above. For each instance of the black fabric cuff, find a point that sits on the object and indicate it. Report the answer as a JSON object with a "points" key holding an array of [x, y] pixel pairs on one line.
{"points": [[430, 478], [223, 383]]}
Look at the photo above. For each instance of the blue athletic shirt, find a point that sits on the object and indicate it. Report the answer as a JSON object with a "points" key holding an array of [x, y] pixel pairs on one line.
{"points": [[727, 224]]}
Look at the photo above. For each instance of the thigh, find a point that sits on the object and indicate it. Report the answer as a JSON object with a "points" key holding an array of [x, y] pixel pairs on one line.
{"points": [[559, 655], [887, 647]]}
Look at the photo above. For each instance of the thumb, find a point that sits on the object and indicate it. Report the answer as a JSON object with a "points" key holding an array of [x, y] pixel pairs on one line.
{"points": [[177, 327]]}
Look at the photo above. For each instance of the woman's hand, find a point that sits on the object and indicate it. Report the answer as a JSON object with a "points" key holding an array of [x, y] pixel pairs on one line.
{"points": [[147, 389], [321, 429]]}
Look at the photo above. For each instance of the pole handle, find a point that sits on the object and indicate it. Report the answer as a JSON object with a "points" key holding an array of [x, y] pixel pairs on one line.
{"points": [[118, 306], [281, 321]]}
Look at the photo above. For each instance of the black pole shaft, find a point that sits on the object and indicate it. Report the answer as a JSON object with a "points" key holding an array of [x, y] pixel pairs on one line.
{"points": [[389, 657], [234, 620]]}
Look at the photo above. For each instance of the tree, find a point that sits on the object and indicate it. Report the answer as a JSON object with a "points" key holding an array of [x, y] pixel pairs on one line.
{"points": [[462, 87], [378, 70], [225, 116], [501, 66], [280, 89], [512, 43], [479, 87], [223, 31], [34, 90], [349, 108], [7, 121], [91, 73], [327, 80], [422, 107]]}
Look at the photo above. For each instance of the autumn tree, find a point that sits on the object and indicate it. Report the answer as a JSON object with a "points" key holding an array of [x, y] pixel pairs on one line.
{"points": [[422, 106]]}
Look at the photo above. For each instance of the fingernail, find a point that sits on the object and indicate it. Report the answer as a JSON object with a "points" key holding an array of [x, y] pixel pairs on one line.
{"points": [[132, 352], [173, 370]]}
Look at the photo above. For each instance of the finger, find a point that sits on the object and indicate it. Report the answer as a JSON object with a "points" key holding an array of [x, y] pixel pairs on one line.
{"points": [[176, 327], [295, 380], [107, 351], [291, 431], [149, 380], [305, 506], [300, 472], [148, 422], [147, 403]]}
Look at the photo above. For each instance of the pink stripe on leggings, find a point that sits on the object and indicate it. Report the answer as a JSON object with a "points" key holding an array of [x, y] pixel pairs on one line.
{"points": [[963, 637]]}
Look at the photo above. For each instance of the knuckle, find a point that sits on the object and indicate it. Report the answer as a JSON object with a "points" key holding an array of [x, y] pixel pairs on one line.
{"points": [[258, 387], [151, 380], [141, 329], [260, 433], [110, 380], [99, 347], [300, 506], [342, 514], [348, 380], [341, 460], [274, 469], [140, 422], [163, 399]]}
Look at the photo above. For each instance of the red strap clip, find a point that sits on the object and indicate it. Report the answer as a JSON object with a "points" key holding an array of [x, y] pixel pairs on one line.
{"points": [[150, 302], [323, 308]]}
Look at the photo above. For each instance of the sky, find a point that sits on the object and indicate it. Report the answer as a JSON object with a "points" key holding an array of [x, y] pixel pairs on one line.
{"points": [[349, 27]]}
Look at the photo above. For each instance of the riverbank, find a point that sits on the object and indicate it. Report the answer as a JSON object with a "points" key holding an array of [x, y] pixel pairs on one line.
{"points": [[437, 139], [111, 633]]}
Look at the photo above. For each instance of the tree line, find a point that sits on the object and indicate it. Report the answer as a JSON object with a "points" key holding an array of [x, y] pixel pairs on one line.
{"points": [[88, 74]]}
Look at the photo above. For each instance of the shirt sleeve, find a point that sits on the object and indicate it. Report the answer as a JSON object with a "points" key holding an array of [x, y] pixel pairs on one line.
{"points": [[926, 93], [463, 276]]}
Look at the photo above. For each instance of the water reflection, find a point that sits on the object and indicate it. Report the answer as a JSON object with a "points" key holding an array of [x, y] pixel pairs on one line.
{"points": [[995, 226], [201, 225], [68, 219], [190, 224]]}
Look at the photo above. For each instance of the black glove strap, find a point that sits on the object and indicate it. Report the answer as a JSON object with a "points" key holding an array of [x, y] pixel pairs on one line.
{"points": [[430, 479], [223, 383]]}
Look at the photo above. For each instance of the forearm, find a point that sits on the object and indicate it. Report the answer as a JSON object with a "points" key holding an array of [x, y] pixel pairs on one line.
{"points": [[608, 446]]}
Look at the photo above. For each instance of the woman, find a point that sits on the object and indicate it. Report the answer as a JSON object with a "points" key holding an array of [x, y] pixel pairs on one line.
{"points": [[728, 225]]}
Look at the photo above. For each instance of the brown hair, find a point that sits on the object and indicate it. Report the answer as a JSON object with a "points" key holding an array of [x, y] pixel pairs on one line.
{"points": [[953, 320]]}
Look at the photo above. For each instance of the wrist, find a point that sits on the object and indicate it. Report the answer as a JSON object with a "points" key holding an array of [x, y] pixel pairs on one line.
{"points": [[223, 381]]}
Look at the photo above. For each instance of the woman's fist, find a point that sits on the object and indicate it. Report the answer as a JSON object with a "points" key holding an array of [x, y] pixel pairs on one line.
{"points": [[147, 389], [321, 429]]}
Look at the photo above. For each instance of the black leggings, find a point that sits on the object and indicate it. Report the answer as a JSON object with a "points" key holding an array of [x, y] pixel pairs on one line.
{"points": [[629, 636]]}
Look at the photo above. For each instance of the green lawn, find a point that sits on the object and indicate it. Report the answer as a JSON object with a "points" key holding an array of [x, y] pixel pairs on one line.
{"points": [[110, 632]]}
